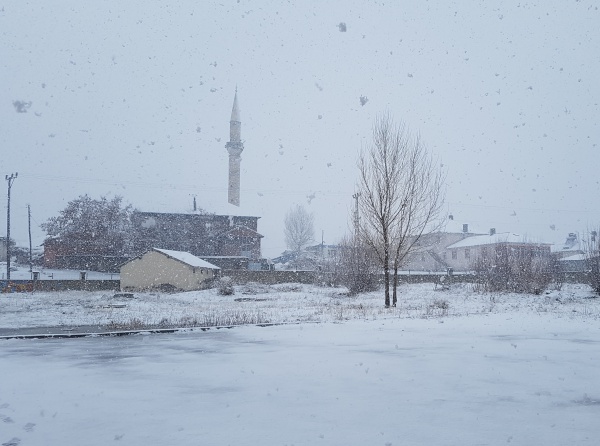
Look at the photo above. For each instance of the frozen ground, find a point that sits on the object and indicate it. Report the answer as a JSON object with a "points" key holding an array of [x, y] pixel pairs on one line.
{"points": [[487, 379], [486, 370]]}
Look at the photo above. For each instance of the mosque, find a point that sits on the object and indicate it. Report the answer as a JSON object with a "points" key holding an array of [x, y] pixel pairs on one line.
{"points": [[228, 241]]}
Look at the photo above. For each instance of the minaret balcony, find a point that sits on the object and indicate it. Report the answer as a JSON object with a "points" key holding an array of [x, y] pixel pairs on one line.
{"points": [[234, 148]]}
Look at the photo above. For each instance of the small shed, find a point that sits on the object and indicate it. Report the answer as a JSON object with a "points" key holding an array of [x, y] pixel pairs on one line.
{"points": [[158, 268]]}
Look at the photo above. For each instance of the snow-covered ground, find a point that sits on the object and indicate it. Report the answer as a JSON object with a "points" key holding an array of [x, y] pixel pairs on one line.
{"points": [[255, 303], [486, 370]]}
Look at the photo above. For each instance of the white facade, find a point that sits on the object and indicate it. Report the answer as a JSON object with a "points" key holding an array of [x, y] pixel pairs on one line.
{"points": [[462, 255], [160, 267]]}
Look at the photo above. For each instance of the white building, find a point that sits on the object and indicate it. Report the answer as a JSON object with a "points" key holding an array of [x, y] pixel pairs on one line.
{"points": [[159, 268], [462, 255]]}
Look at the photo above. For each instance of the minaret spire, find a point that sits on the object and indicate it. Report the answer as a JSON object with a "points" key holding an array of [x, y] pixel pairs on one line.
{"points": [[235, 146]]}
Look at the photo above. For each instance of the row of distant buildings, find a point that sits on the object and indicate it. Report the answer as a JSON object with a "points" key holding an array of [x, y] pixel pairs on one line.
{"points": [[233, 242], [459, 251], [230, 242]]}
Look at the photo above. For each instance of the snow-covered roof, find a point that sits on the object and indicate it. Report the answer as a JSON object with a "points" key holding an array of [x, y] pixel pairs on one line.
{"points": [[571, 244], [576, 257], [187, 258], [487, 239]]}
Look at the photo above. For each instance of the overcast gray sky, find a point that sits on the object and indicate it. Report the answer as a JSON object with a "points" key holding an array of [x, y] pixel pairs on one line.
{"points": [[134, 98]]}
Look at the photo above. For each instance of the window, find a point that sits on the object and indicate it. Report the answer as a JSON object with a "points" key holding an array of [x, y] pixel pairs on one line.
{"points": [[467, 253], [454, 254]]}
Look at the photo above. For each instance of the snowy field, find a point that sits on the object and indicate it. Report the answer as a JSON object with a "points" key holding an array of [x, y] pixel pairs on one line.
{"points": [[284, 303], [445, 367]]}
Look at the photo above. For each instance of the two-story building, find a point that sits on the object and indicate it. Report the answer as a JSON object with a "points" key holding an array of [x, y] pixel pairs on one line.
{"points": [[462, 255]]}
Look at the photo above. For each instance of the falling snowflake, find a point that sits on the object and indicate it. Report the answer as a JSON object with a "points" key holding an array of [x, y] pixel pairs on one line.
{"points": [[22, 106]]}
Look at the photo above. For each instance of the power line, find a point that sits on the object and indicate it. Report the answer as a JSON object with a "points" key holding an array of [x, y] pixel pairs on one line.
{"points": [[513, 208], [266, 191], [176, 186]]}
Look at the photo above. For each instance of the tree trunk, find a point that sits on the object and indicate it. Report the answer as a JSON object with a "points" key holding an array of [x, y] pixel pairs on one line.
{"points": [[395, 296], [386, 280]]}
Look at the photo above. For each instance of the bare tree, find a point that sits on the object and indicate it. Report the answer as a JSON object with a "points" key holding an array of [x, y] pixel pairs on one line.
{"points": [[298, 228], [401, 194]]}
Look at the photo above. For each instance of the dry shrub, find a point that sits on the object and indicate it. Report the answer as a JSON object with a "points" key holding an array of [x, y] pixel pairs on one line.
{"points": [[513, 269]]}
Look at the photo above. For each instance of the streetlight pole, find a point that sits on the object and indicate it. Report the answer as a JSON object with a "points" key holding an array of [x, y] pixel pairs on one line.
{"points": [[10, 179]]}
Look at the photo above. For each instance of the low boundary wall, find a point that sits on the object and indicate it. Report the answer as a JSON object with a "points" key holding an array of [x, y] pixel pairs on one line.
{"points": [[309, 277], [240, 277], [59, 285]]}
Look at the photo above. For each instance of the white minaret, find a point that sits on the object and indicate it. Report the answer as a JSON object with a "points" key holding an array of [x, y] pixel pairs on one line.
{"points": [[235, 146]]}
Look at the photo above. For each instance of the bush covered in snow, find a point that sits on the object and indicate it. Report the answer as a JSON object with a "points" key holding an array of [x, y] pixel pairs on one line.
{"points": [[225, 286]]}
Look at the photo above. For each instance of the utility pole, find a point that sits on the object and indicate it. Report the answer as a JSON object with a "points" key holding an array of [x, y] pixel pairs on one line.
{"points": [[29, 227], [10, 179], [195, 207], [356, 214], [354, 259]]}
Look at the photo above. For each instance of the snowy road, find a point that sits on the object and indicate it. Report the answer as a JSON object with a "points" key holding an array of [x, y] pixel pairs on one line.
{"points": [[495, 379]]}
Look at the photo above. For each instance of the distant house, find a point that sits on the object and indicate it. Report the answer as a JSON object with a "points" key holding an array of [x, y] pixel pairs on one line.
{"points": [[200, 234], [162, 268], [233, 240], [430, 254], [318, 257], [571, 247], [462, 255], [324, 252], [59, 254], [574, 264], [571, 254]]}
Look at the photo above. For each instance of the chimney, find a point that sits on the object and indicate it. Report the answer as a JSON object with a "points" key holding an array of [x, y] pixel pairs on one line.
{"points": [[465, 228], [492, 231]]}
